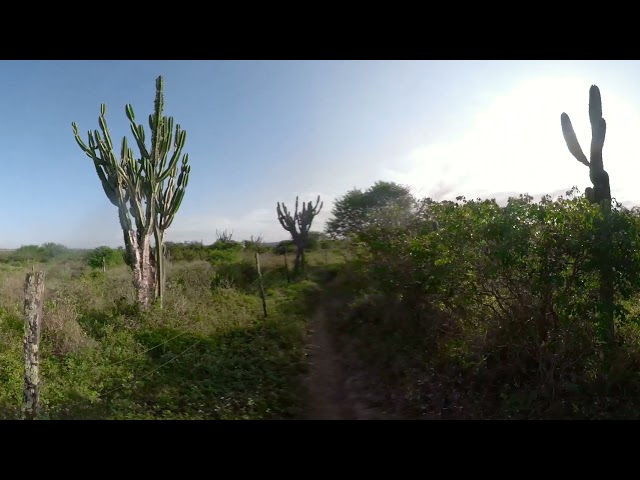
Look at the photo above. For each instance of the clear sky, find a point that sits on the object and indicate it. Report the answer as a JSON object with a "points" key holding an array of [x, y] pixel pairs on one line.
{"points": [[259, 132]]}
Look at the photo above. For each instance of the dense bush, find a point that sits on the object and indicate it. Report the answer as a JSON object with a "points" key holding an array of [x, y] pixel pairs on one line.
{"points": [[285, 246], [222, 250], [505, 302], [104, 256], [187, 251]]}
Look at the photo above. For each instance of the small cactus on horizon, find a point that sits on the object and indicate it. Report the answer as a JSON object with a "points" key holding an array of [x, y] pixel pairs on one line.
{"points": [[298, 225]]}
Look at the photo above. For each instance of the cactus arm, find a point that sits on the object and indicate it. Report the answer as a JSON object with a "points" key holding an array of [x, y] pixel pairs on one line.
{"points": [[571, 140], [598, 127]]}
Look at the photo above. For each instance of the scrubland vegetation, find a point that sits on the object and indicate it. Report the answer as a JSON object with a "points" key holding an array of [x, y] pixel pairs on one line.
{"points": [[461, 309], [207, 354]]}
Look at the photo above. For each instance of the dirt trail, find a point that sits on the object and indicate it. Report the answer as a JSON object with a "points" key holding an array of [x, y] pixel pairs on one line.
{"points": [[326, 379], [336, 392]]}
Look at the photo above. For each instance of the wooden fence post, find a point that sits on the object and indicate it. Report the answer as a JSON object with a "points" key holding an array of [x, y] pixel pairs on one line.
{"points": [[33, 303], [264, 302]]}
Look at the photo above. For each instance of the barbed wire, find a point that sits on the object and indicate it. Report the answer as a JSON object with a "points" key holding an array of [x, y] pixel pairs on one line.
{"points": [[131, 382], [184, 330]]}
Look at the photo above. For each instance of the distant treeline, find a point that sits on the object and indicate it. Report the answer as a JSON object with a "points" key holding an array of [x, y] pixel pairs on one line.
{"points": [[41, 253], [222, 250]]}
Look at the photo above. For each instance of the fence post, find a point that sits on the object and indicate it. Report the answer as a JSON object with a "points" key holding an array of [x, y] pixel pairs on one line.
{"points": [[264, 302], [33, 303]]}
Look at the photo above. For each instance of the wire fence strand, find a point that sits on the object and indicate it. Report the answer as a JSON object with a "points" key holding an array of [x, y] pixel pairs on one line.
{"points": [[128, 384]]}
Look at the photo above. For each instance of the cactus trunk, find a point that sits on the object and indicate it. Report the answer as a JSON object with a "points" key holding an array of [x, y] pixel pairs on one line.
{"points": [[298, 225], [299, 261], [160, 273], [139, 251], [600, 194]]}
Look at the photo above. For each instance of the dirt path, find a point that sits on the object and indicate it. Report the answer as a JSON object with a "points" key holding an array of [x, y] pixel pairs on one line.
{"points": [[337, 390], [327, 397]]}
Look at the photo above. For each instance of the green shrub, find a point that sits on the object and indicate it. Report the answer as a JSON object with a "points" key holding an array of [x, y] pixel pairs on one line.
{"points": [[104, 256], [504, 299]]}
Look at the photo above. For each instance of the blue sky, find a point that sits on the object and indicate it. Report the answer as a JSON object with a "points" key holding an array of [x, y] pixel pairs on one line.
{"points": [[259, 132]]}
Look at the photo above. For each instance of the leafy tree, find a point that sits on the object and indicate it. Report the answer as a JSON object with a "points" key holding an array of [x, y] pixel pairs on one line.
{"points": [[358, 210], [284, 246], [53, 250], [104, 256], [315, 239], [40, 253]]}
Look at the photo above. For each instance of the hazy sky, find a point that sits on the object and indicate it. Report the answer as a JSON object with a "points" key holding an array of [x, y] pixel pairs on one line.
{"points": [[259, 132]]}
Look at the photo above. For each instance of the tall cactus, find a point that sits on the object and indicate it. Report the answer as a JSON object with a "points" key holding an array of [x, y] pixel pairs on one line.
{"points": [[137, 187], [600, 194], [601, 190], [298, 226], [168, 186]]}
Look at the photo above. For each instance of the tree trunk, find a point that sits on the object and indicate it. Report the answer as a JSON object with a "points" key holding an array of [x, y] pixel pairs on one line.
{"points": [[144, 280]]}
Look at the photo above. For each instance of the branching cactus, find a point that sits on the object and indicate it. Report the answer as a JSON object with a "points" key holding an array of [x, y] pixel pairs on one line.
{"points": [[167, 170], [599, 194], [601, 190], [144, 189], [125, 185], [298, 225]]}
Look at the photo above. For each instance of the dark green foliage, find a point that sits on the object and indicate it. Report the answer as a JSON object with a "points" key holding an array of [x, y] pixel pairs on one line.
{"points": [[315, 239], [217, 252], [104, 257], [284, 246], [224, 241], [239, 275], [222, 256], [493, 312], [357, 210], [255, 244], [600, 194], [187, 251], [226, 245], [54, 250]]}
